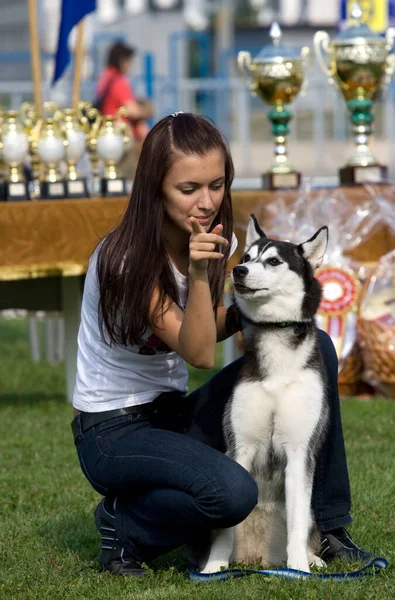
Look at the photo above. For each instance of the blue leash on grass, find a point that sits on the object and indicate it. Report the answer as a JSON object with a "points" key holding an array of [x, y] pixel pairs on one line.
{"points": [[375, 566]]}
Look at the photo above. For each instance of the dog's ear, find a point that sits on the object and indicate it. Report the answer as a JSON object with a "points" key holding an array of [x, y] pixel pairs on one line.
{"points": [[254, 232], [314, 249]]}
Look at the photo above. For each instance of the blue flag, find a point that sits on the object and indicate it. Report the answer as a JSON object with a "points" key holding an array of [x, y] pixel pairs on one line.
{"points": [[72, 13]]}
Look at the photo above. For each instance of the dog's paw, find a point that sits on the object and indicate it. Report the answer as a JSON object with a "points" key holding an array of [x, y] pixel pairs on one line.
{"points": [[316, 561], [299, 564], [214, 566]]}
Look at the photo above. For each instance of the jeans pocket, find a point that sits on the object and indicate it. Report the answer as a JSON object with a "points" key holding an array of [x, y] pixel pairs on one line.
{"points": [[97, 486], [109, 433]]}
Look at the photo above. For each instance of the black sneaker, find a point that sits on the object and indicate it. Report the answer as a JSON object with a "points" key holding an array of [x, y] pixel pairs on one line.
{"points": [[338, 544], [113, 557]]}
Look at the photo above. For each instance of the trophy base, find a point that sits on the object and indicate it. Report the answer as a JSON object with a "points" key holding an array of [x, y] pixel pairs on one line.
{"points": [[281, 181], [15, 191], [52, 190], [113, 187], [353, 175], [77, 188]]}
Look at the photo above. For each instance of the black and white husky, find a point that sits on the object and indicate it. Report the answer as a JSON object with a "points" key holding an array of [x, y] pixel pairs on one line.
{"points": [[276, 420]]}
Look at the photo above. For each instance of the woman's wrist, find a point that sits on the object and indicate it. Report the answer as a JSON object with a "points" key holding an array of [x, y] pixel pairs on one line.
{"points": [[197, 273], [232, 320]]}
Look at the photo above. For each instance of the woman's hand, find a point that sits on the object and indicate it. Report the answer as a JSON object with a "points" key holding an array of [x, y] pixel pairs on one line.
{"points": [[202, 247], [192, 332]]}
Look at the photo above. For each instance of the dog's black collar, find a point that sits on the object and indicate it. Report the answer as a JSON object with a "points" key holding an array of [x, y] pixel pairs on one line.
{"points": [[285, 324], [275, 325]]}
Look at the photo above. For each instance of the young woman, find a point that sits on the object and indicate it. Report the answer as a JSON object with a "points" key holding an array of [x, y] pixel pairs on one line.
{"points": [[153, 301]]}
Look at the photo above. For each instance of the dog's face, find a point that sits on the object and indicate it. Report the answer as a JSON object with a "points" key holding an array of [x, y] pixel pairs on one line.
{"points": [[273, 279]]}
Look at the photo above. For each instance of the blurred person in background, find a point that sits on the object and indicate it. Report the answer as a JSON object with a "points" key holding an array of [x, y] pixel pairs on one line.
{"points": [[114, 91]]}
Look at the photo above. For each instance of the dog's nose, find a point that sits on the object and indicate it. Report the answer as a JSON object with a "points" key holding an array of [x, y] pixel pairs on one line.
{"points": [[240, 271]]}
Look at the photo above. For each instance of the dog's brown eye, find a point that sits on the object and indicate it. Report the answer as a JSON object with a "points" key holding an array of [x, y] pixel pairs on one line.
{"points": [[273, 262], [247, 258]]}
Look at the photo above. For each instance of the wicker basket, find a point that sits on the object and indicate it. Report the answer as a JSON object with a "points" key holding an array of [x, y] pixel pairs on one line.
{"points": [[350, 383], [377, 339]]}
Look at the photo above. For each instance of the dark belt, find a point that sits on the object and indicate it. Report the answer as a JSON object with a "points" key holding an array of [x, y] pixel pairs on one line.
{"points": [[84, 420]]}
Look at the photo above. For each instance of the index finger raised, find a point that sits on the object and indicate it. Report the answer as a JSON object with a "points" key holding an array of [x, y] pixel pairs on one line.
{"points": [[216, 239], [196, 226]]}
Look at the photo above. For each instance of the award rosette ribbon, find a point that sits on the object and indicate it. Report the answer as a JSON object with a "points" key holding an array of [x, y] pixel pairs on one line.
{"points": [[336, 314]]}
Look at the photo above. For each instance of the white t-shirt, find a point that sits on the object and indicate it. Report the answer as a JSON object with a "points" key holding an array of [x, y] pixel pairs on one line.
{"points": [[110, 377]]}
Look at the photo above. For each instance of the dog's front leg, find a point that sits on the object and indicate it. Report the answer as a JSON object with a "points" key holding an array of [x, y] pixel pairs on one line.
{"points": [[298, 487], [223, 539], [221, 550]]}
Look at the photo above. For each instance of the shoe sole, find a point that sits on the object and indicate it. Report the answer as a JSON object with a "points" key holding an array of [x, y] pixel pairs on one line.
{"points": [[123, 571]]}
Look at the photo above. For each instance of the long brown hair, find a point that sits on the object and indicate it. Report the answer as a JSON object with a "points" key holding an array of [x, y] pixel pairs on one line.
{"points": [[132, 259]]}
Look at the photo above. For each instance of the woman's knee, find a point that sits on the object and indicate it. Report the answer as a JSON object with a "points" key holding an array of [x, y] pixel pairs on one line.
{"points": [[238, 495], [331, 364], [328, 352]]}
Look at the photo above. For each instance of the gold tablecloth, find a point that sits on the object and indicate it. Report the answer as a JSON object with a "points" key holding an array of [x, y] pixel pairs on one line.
{"points": [[53, 237], [56, 237]]}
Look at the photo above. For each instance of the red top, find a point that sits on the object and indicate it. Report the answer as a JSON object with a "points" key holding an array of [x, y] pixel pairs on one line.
{"points": [[119, 93]]}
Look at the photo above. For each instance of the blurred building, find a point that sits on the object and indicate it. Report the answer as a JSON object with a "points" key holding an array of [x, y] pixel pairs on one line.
{"points": [[14, 41], [158, 27]]}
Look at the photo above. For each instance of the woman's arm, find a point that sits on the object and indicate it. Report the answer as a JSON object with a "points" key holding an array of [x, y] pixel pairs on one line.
{"points": [[139, 109], [124, 95], [227, 322], [193, 333]]}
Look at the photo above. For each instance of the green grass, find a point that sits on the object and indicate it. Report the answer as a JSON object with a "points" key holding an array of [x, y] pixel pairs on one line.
{"points": [[48, 542]]}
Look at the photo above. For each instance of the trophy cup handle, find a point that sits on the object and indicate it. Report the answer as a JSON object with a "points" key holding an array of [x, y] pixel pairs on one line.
{"points": [[127, 138], [389, 71], [82, 110], [244, 64], [36, 129], [28, 114], [390, 37], [390, 60], [121, 112], [321, 42], [307, 64], [123, 126], [52, 109], [92, 121]]}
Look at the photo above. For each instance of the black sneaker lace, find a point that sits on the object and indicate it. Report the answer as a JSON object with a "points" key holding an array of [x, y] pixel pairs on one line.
{"points": [[324, 550]]}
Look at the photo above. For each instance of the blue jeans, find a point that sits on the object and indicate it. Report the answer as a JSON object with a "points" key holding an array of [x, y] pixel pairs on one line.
{"points": [[171, 479]]}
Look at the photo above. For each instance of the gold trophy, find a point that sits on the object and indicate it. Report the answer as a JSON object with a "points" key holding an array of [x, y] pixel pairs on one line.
{"points": [[362, 66], [14, 150], [70, 124], [90, 119], [30, 120], [112, 139], [51, 149], [277, 74], [2, 165]]}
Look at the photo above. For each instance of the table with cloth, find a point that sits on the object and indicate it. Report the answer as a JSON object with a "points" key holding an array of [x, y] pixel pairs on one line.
{"points": [[45, 248]]}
